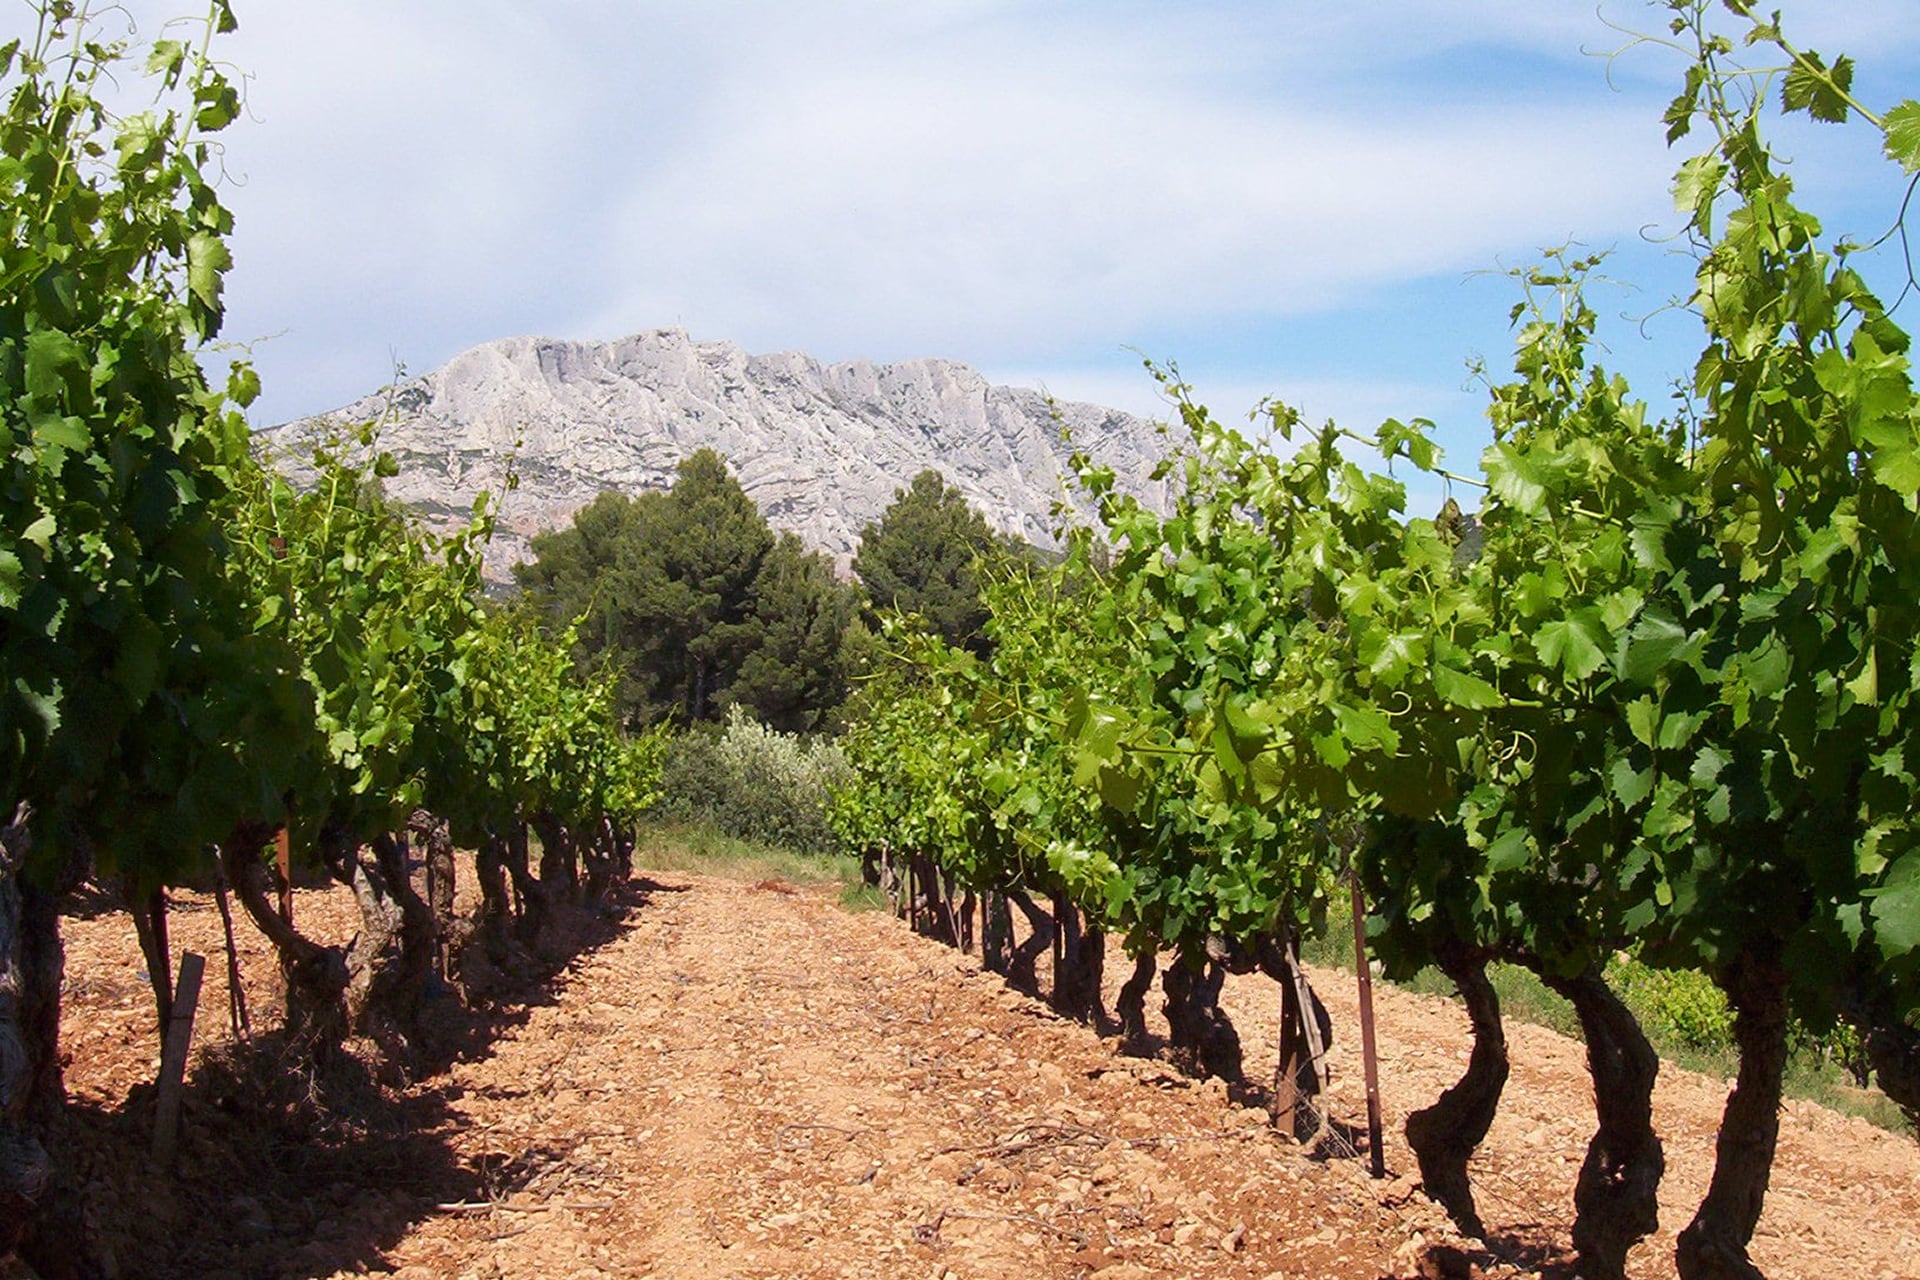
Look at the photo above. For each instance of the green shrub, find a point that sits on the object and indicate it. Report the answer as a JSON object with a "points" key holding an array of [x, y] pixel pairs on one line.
{"points": [[1674, 1006], [754, 783]]}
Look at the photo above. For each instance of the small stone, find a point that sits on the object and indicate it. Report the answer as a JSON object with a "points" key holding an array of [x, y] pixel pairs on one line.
{"points": [[1400, 1188]]}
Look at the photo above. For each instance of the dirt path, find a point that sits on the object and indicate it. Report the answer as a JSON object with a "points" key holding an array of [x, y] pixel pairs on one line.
{"points": [[754, 1083], [749, 1081]]}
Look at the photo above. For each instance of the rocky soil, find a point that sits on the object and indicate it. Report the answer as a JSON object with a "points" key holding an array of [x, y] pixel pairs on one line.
{"points": [[745, 1079]]}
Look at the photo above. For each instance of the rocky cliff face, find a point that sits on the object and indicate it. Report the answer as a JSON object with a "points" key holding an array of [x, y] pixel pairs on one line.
{"points": [[821, 448]]}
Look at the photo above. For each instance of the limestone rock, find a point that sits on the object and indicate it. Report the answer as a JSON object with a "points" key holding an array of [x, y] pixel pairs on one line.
{"points": [[821, 448]]}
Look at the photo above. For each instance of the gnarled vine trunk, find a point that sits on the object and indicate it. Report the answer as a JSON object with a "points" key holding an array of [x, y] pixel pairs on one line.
{"points": [[391, 978], [1023, 965], [931, 912], [31, 1090], [536, 898], [1444, 1136], [996, 932], [495, 912], [1616, 1198], [1080, 965], [1131, 1003], [1891, 1047], [1714, 1245], [624, 841], [598, 857], [373, 984], [1893, 1051], [316, 976], [149, 912], [1202, 1037], [434, 838], [559, 858]]}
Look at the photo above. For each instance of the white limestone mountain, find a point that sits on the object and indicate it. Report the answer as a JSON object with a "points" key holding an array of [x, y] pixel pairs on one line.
{"points": [[821, 448]]}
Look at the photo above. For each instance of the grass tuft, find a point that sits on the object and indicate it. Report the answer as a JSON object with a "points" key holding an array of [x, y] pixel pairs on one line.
{"points": [[701, 848]]}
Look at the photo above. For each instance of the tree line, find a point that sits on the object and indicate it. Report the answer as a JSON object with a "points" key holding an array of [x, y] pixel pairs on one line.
{"points": [[687, 598]]}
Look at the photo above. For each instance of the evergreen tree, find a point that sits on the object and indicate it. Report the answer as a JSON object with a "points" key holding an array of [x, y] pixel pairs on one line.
{"points": [[698, 612], [920, 558], [571, 567], [801, 662], [691, 598]]}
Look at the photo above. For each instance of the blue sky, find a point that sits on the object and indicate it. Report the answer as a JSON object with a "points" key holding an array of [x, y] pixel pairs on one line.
{"points": [[1306, 199]]}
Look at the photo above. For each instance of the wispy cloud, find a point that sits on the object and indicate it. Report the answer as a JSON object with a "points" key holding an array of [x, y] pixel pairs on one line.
{"points": [[1026, 187]]}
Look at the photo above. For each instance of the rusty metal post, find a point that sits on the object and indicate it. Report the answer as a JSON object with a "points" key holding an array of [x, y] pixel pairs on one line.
{"points": [[1369, 1055]]}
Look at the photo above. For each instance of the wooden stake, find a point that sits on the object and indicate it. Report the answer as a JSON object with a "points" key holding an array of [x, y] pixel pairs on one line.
{"points": [[173, 1061], [285, 859], [1309, 1023], [1299, 1031], [1377, 1158]]}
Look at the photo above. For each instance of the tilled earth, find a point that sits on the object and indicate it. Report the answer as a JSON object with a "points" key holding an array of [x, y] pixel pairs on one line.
{"points": [[747, 1080]]}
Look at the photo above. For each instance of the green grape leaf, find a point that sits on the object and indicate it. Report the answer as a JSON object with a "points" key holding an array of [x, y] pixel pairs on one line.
{"points": [[1897, 466], [1571, 645], [10, 575], [1709, 764], [1119, 789], [1396, 439], [70, 434], [1463, 689], [1865, 687], [167, 57], [220, 103], [40, 532], [46, 705], [1903, 135], [1388, 654], [1896, 908], [208, 258], [1696, 184], [1769, 667], [1515, 478], [1249, 733], [1629, 785], [1643, 719], [1509, 852], [1645, 651], [1365, 726], [1811, 86]]}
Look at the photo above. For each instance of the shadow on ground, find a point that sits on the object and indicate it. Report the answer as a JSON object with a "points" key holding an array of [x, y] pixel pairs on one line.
{"points": [[288, 1173]]}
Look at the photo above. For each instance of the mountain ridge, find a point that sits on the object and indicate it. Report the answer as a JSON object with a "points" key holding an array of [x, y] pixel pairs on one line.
{"points": [[821, 448]]}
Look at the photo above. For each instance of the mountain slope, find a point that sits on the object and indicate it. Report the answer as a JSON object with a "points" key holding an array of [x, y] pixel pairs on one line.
{"points": [[821, 448]]}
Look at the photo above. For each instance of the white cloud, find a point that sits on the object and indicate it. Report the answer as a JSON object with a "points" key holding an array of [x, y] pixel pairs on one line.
{"points": [[989, 206], [1011, 184]]}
